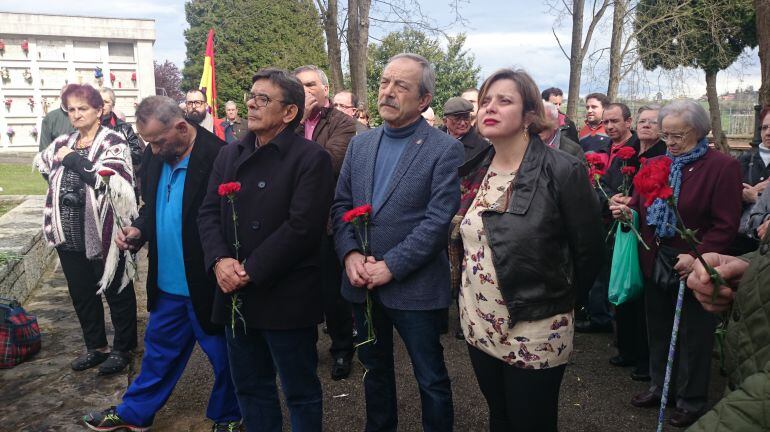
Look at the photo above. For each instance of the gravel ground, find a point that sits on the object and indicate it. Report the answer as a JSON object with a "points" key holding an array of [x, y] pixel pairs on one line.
{"points": [[594, 394]]}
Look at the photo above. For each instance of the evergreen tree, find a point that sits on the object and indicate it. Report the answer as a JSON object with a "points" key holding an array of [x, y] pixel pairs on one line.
{"points": [[455, 67], [250, 35], [708, 35]]}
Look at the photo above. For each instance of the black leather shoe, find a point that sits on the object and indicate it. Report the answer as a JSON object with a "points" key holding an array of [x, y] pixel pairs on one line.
{"points": [[591, 327], [637, 375], [341, 368], [88, 360], [683, 418], [116, 362], [621, 361], [647, 399], [459, 334]]}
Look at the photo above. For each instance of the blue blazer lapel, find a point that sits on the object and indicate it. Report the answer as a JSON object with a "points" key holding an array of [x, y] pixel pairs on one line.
{"points": [[369, 155], [405, 161]]}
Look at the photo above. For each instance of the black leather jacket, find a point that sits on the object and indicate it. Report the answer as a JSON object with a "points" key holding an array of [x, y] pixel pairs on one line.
{"points": [[547, 243], [134, 143]]}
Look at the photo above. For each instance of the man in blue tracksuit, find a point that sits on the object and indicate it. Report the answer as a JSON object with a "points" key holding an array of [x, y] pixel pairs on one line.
{"points": [[179, 292]]}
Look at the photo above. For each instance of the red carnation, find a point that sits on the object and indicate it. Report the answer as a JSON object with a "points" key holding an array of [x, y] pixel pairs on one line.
{"points": [[354, 213], [106, 172], [595, 160], [626, 153], [652, 180], [628, 170], [226, 189]]}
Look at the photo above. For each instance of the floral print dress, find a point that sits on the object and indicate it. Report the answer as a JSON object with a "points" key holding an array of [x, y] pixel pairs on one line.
{"points": [[484, 317]]}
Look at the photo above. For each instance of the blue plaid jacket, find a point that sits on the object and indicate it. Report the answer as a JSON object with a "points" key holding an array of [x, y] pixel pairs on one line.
{"points": [[410, 229]]}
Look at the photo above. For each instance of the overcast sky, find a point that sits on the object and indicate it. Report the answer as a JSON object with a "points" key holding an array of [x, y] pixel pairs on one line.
{"points": [[500, 34]]}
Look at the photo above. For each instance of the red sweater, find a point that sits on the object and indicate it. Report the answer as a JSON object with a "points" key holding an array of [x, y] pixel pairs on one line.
{"points": [[709, 202]]}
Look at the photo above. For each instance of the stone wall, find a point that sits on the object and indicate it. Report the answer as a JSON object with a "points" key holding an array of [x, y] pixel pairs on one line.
{"points": [[21, 234]]}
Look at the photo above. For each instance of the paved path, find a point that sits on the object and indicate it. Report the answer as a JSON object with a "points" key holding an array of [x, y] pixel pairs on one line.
{"points": [[45, 395]]}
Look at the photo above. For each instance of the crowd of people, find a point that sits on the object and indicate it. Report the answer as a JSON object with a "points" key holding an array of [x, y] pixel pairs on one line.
{"points": [[259, 229]]}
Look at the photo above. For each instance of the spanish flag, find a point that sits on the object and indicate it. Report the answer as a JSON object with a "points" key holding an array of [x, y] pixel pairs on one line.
{"points": [[208, 80]]}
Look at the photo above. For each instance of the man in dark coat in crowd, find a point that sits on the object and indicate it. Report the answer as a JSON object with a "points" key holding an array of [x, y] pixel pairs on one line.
{"points": [[457, 122], [268, 273], [332, 129]]}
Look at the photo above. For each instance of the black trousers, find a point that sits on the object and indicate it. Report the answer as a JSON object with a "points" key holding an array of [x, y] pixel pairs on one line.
{"points": [[82, 280], [518, 399], [692, 368], [337, 310], [632, 333]]}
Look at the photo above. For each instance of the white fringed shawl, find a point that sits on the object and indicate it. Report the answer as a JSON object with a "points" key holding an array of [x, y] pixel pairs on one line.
{"points": [[109, 150]]}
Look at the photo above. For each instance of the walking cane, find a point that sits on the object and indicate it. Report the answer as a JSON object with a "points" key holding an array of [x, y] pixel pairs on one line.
{"points": [[671, 354]]}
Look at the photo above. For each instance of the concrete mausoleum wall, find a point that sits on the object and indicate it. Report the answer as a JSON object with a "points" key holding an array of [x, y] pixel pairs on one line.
{"points": [[21, 235], [40, 53]]}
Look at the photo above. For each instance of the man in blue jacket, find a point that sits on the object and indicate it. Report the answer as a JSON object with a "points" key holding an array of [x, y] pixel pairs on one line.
{"points": [[407, 171]]}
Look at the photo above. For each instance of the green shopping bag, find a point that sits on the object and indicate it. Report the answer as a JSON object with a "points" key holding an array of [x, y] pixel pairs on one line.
{"points": [[625, 275]]}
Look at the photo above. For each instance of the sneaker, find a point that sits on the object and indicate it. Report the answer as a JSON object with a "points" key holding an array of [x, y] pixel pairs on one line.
{"points": [[108, 420], [88, 360], [116, 362], [227, 427]]}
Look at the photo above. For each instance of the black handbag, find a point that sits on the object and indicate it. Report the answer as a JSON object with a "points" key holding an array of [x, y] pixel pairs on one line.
{"points": [[663, 273]]}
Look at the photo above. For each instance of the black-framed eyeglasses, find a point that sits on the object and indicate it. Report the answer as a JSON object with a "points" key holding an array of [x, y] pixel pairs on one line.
{"points": [[195, 103], [260, 100]]}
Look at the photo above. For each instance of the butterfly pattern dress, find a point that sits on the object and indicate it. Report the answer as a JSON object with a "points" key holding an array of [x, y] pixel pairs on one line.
{"points": [[483, 315]]}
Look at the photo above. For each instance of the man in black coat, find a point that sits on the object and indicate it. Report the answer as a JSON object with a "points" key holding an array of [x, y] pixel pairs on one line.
{"points": [[269, 294], [458, 123], [179, 291]]}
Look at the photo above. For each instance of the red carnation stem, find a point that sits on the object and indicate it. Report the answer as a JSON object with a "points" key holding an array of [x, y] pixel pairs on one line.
{"points": [[235, 312], [361, 225]]}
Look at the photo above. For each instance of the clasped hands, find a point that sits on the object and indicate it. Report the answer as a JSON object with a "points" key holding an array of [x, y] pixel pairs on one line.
{"points": [[231, 275], [366, 271]]}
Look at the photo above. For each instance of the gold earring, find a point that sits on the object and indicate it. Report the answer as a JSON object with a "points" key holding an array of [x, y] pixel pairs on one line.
{"points": [[525, 134]]}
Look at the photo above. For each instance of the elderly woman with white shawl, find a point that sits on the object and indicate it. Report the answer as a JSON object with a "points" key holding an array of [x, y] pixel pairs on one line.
{"points": [[90, 196]]}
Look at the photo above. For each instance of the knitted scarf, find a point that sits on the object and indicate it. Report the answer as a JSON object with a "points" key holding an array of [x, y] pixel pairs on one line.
{"points": [[660, 214], [109, 150]]}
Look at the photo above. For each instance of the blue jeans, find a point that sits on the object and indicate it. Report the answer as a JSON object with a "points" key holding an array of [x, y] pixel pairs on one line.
{"points": [[169, 340], [254, 359], [420, 332]]}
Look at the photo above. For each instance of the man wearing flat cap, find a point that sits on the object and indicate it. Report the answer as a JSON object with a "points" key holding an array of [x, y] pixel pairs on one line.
{"points": [[457, 118]]}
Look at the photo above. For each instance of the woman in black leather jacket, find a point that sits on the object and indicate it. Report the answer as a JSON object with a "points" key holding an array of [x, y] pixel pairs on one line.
{"points": [[526, 240]]}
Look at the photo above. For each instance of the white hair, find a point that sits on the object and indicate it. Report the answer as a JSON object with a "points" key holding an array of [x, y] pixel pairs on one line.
{"points": [[551, 111], [230, 104], [691, 112], [428, 77]]}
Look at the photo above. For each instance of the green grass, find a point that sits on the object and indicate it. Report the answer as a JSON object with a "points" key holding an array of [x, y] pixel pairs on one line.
{"points": [[21, 179]]}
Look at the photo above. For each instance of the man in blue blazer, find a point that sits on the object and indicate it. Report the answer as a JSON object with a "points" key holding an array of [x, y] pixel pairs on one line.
{"points": [[407, 171]]}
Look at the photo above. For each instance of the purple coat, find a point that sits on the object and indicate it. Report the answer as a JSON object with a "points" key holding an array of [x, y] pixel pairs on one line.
{"points": [[709, 202]]}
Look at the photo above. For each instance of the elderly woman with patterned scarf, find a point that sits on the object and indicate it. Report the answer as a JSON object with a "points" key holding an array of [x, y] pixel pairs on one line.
{"points": [[83, 211], [707, 189]]}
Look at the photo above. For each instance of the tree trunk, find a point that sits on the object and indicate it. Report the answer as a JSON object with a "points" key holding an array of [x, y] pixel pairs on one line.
{"points": [[358, 39], [763, 36], [333, 45], [720, 141], [576, 59], [616, 58]]}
